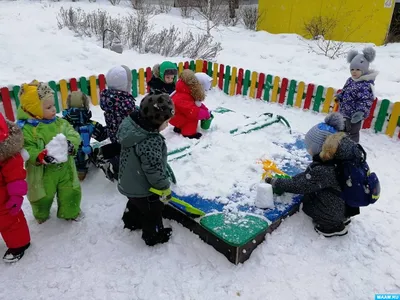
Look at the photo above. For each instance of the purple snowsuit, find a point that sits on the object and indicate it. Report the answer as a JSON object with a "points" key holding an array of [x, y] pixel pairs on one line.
{"points": [[117, 105], [357, 96]]}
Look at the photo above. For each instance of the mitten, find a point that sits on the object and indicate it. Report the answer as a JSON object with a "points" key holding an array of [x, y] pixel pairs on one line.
{"points": [[271, 180], [165, 195], [338, 96], [357, 117], [14, 204], [204, 114], [71, 148], [44, 159]]}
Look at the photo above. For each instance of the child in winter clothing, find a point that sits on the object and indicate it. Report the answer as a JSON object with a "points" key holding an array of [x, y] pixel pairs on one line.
{"points": [[144, 165], [117, 103], [78, 114], [318, 183], [357, 95], [189, 108], [13, 187], [164, 78], [45, 176]]}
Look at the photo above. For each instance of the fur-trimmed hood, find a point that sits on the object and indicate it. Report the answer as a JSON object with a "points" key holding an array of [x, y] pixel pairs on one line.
{"points": [[339, 146], [156, 70], [188, 83], [13, 144]]}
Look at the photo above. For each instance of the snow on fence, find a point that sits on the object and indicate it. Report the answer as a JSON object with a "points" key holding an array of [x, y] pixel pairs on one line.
{"points": [[384, 116]]}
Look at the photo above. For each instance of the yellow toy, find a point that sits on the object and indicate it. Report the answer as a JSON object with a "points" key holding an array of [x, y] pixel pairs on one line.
{"points": [[270, 167]]}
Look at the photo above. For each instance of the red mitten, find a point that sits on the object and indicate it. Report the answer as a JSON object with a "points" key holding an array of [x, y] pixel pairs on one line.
{"points": [[43, 158]]}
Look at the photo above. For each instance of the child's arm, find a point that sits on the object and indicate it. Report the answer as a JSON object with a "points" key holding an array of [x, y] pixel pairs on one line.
{"points": [[14, 176], [150, 153], [31, 146], [365, 98], [99, 131], [312, 180]]}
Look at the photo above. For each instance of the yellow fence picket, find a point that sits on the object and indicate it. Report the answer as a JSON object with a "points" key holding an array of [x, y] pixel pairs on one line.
{"points": [[64, 93], [275, 88], [93, 90], [328, 100], [300, 93], [141, 82]]}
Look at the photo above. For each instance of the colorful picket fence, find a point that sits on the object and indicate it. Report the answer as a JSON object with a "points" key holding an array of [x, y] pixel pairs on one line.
{"points": [[384, 116]]}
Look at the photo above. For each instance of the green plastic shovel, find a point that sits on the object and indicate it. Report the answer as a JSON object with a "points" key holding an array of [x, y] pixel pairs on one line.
{"points": [[189, 208]]}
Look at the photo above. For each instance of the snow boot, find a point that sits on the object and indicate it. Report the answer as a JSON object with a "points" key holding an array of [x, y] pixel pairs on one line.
{"points": [[339, 230], [347, 222], [160, 237], [197, 136], [177, 130], [15, 254], [132, 217]]}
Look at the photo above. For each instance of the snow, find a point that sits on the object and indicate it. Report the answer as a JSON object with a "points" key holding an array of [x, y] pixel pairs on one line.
{"points": [[264, 196], [96, 259], [58, 148]]}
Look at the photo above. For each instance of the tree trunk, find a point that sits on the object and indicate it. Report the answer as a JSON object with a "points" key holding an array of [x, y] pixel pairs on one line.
{"points": [[232, 13]]}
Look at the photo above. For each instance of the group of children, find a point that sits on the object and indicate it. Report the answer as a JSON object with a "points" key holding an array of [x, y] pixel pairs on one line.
{"points": [[137, 154]]}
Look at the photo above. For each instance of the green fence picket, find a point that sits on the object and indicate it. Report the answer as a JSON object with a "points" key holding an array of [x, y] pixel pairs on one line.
{"points": [[268, 87], [192, 66], [15, 92], [134, 83], [318, 99], [227, 79], [246, 82], [381, 117], [210, 69], [291, 92]]}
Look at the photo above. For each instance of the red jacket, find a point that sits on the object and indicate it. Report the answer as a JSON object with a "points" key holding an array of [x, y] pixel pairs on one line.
{"points": [[186, 112], [11, 170]]}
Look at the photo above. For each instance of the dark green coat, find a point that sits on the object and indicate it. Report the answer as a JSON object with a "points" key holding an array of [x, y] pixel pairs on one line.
{"points": [[143, 160]]}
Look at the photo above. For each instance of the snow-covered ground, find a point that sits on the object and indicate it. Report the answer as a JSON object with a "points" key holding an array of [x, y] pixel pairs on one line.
{"points": [[97, 259]]}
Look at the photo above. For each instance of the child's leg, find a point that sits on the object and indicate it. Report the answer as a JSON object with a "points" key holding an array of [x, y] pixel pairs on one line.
{"points": [[132, 216], [153, 230], [14, 230], [41, 208], [68, 197], [353, 130]]}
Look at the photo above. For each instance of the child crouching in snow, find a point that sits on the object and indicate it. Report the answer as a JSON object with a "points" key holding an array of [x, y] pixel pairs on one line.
{"points": [[144, 166], [13, 187], [318, 183], [164, 78], [78, 114], [49, 172], [189, 109], [117, 103], [357, 95]]}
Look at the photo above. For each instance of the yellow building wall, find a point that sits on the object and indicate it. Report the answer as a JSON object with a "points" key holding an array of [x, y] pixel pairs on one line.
{"points": [[357, 20]]}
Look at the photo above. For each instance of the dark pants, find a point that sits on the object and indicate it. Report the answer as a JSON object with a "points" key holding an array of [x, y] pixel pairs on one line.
{"points": [[144, 213], [353, 130], [351, 211]]}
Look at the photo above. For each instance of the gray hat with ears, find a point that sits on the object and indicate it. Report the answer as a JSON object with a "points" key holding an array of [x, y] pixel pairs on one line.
{"points": [[361, 61]]}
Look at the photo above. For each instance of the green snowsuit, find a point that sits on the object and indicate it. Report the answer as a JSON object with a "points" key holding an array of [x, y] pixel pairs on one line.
{"points": [[45, 181]]}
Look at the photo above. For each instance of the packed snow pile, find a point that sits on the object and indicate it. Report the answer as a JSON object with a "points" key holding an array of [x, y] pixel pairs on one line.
{"points": [[58, 148], [265, 196]]}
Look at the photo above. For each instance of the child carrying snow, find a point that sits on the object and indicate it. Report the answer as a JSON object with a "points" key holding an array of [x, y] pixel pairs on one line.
{"points": [[13, 187], [144, 165], [318, 183], [51, 143], [78, 114], [189, 109], [117, 103], [357, 95], [164, 78]]}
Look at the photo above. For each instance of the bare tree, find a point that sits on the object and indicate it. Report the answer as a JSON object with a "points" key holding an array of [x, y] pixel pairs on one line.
{"points": [[251, 16], [185, 7], [211, 11], [321, 28]]}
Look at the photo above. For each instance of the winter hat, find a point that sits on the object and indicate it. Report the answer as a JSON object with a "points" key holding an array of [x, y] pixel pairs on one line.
{"points": [[31, 96], [77, 99], [119, 78], [205, 80], [361, 61], [316, 136], [157, 108], [3, 128], [168, 68]]}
